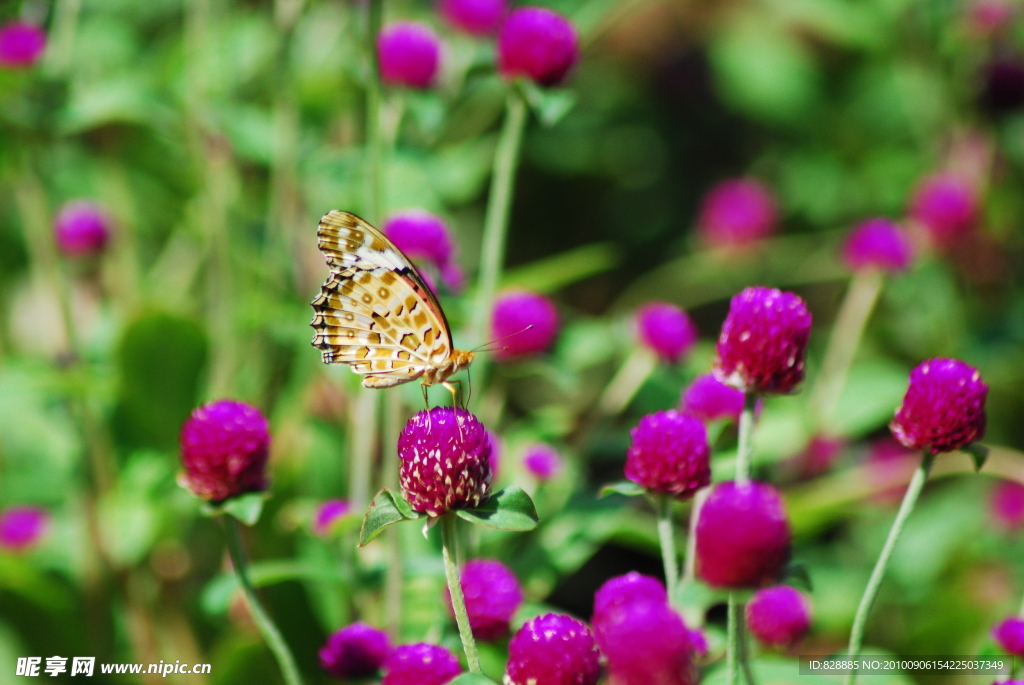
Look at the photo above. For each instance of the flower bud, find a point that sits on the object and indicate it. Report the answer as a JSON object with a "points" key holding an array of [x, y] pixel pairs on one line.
{"points": [[667, 330], [479, 17], [669, 454], [537, 43], [709, 399], [946, 206], [944, 408], [409, 54], [22, 527], [523, 324], [21, 45], [492, 595], [622, 590], [877, 244], [542, 461], [645, 642], [224, 448], [737, 212], [778, 616], [1007, 505], [420, 664], [329, 512], [1010, 635], [81, 228], [421, 236], [553, 650], [356, 651]]}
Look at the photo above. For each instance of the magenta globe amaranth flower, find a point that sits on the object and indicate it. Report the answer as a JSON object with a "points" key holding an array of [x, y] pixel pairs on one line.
{"points": [[877, 244], [445, 456], [709, 399], [819, 455], [81, 228], [622, 590], [946, 206], [523, 324], [778, 616], [737, 212], [355, 651], [944, 408], [743, 536], [645, 642], [479, 17], [420, 664], [22, 527], [1009, 634], [542, 461], [763, 341], [329, 512], [553, 650], [21, 45], [669, 454], [539, 44], [1007, 505], [988, 16], [492, 595], [409, 54], [421, 236], [667, 330], [224, 448]]}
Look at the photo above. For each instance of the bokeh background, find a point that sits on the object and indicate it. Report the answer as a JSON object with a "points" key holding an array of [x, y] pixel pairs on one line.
{"points": [[215, 133]]}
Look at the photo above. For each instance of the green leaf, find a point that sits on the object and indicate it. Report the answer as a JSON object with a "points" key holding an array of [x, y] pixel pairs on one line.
{"points": [[246, 508], [507, 509], [797, 572], [622, 487], [385, 509], [472, 679], [549, 104], [978, 452]]}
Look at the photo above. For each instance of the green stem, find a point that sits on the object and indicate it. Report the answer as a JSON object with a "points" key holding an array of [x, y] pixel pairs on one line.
{"points": [[690, 563], [732, 651], [362, 445], [843, 342], [668, 546], [746, 439], [394, 579], [263, 621], [744, 654], [871, 591], [499, 205], [374, 140], [451, 571]]}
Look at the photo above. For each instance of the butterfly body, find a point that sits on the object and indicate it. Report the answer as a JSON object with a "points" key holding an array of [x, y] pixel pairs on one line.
{"points": [[376, 313]]}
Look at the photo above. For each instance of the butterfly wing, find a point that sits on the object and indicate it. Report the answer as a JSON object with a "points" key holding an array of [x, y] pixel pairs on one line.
{"points": [[375, 312]]}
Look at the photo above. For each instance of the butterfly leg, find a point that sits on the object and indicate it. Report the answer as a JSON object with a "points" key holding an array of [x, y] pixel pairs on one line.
{"points": [[426, 398], [456, 392]]}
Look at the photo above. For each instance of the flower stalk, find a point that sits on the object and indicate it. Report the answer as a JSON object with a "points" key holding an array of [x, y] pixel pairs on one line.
{"points": [[449, 549], [668, 546], [745, 448], [736, 657]]}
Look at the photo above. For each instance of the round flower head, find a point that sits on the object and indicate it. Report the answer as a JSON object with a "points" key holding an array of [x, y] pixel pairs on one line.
{"points": [[944, 408], [669, 454], [492, 595], [819, 455], [420, 664], [542, 461], [877, 244], [329, 512], [421, 236], [667, 330], [1004, 85], [946, 206], [645, 642], [763, 341], [224, 448], [743, 536], [409, 54], [445, 456], [737, 212], [356, 651], [778, 616], [21, 527], [81, 228], [553, 650], [1007, 505], [479, 17], [1010, 635], [21, 45], [709, 399], [988, 16], [523, 324], [627, 589], [537, 43]]}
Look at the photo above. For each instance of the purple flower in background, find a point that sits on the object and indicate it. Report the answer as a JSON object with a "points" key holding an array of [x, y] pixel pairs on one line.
{"points": [[445, 456], [523, 324], [669, 454], [819, 455], [944, 408], [743, 536], [763, 341], [878, 244], [409, 54], [422, 236], [542, 461], [21, 45], [553, 650], [329, 512], [887, 462], [667, 330], [1007, 505], [737, 212], [355, 651], [1010, 635], [709, 399], [81, 228], [645, 642], [224, 448], [778, 616], [537, 43], [988, 16], [21, 527], [492, 596], [946, 206], [627, 589], [420, 664], [479, 17]]}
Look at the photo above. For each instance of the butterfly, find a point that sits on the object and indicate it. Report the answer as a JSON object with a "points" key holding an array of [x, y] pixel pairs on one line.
{"points": [[376, 313]]}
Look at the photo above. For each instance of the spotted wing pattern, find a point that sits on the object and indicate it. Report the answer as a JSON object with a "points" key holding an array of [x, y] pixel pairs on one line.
{"points": [[375, 312]]}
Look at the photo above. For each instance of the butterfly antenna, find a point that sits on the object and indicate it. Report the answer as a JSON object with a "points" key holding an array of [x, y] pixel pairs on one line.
{"points": [[486, 345]]}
